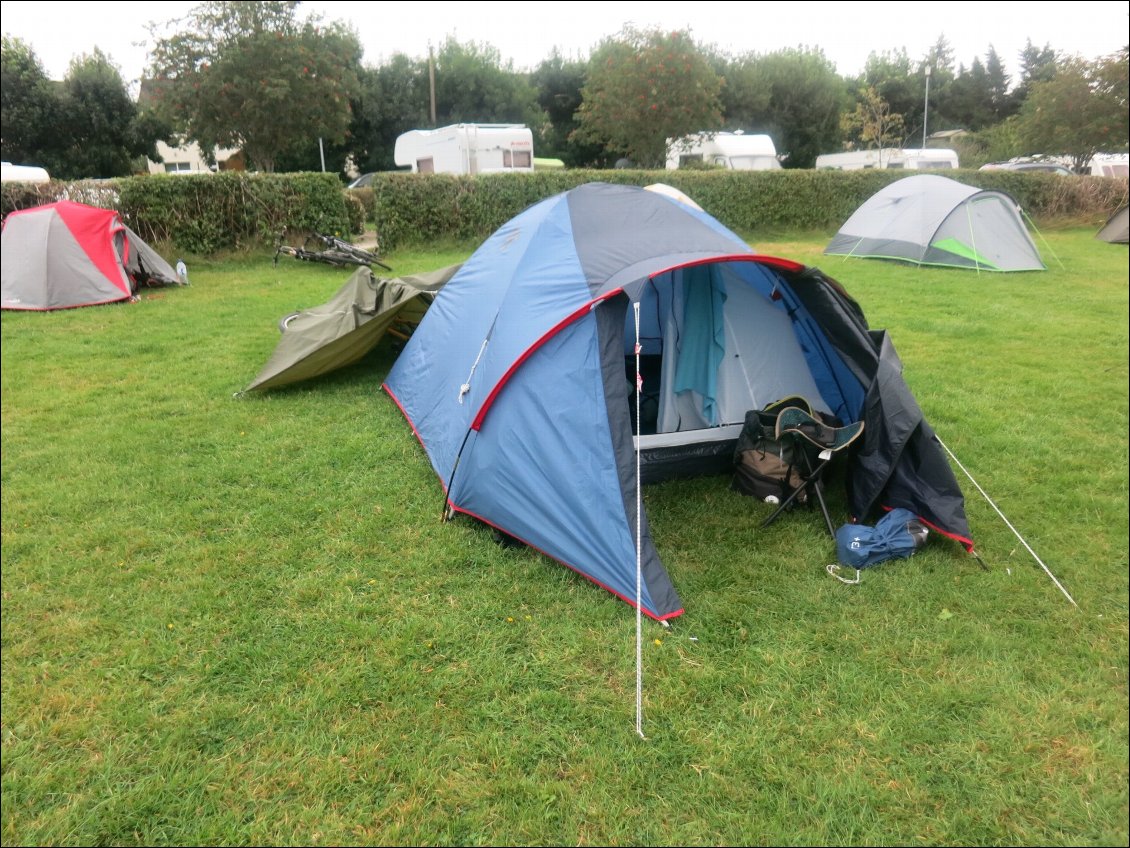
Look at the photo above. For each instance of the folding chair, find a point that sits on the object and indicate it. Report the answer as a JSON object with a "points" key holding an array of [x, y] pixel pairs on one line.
{"points": [[816, 444]]}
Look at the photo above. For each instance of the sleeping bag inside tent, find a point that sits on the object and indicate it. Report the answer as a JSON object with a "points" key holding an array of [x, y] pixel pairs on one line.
{"points": [[520, 380]]}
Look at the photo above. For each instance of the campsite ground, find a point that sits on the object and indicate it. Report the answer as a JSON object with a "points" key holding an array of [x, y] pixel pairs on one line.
{"points": [[240, 620]]}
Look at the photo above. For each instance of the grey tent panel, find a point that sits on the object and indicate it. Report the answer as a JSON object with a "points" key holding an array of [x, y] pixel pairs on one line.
{"points": [[932, 220], [1117, 229]]}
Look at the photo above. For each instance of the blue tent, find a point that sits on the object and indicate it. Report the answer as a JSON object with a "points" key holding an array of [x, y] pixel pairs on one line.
{"points": [[519, 380]]}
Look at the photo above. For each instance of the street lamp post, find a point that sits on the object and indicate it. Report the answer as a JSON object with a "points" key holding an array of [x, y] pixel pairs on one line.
{"points": [[926, 107]]}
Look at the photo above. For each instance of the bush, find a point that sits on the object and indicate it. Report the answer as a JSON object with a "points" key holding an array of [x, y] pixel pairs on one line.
{"points": [[206, 213], [418, 208]]}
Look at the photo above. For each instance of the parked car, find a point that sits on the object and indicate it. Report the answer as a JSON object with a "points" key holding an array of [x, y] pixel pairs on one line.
{"points": [[362, 181], [1049, 167]]}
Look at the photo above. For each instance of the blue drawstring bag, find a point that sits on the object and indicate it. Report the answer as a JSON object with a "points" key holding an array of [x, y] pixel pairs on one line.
{"points": [[897, 535]]}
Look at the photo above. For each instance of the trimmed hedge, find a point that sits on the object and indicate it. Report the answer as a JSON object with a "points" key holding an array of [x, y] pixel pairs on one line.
{"points": [[418, 208], [207, 213]]}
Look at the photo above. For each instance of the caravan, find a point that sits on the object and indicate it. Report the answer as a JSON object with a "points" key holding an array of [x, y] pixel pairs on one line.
{"points": [[912, 159], [731, 150], [467, 149]]}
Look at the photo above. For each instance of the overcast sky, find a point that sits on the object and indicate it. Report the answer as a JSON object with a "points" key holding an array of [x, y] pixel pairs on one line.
{"points": [[526, 33]]}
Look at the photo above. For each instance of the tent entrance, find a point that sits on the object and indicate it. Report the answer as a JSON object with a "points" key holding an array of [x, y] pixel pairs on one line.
{"points": [[714, 345]]}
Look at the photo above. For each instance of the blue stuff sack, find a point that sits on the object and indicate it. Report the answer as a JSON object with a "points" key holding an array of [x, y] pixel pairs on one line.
{"points": [[897, 535]]}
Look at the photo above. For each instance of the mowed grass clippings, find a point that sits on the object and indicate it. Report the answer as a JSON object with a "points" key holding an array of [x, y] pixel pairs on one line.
{"points": [[240, 620]]}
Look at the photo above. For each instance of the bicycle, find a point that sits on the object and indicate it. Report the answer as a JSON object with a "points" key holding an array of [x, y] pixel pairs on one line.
{"points": [[335, 251]]}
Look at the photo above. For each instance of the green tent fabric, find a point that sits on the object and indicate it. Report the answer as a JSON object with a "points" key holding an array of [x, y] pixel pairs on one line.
{"points": [[349, 325]]}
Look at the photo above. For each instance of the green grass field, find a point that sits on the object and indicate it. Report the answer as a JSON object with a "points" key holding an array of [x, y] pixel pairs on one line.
{"points": [[241, 621]]}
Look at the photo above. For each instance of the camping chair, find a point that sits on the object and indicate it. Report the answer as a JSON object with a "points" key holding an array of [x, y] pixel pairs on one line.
{"points": [[815, 444]]}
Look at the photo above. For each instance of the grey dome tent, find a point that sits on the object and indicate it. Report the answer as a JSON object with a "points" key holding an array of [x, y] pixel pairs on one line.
{"points": [[932, 220], [67, 254], [1117, 229]]}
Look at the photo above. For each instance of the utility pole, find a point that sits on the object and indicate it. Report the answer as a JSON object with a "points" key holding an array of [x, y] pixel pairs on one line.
{"points": [[926, 107], [432, 82]]}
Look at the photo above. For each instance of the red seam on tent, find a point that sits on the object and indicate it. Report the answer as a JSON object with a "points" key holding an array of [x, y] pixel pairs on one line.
{"points": [[965, 543], [415, 432], [736, 257], [569, 319], [630, 602], [76, 217], [455, 508], [72, 306], [777, 262]]}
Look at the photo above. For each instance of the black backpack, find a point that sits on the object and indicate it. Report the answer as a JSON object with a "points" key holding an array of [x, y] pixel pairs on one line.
{"points": [[765, 467]]}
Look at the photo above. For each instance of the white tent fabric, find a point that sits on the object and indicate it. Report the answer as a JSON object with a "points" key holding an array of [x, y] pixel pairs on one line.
{"points": [[932, 220]]}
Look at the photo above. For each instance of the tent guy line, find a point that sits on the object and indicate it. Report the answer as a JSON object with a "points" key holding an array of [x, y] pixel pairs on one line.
{"points": [[985, 494]]}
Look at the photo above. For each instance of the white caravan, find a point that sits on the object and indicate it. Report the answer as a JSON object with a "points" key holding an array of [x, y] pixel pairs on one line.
{"points": [[732, 150], [467, 149], [912, 159], [23, 174], [1110, 165]]}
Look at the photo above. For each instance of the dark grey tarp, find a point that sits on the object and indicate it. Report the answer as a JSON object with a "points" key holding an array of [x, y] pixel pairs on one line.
{"points": [[1117, 229], [349, 325]]}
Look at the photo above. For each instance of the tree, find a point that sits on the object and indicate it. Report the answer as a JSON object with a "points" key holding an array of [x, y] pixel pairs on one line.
{"points": [[900, 83], [84, 127], [249, 75], [99, 131], [1036, 65], [794, 95], [474, 86], [1079, 112], [1002, 104], [558, 83], [28, 104], [873, 124], [394, 98], [645, 87], [970, 101]]}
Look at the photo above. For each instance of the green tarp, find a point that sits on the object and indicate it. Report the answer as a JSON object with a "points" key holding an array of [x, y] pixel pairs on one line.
{"points": [[349, 325]]}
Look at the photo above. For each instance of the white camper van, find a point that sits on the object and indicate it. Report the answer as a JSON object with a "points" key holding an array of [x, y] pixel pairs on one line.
{"points": [[733, 150], [467, 149], [912, 159], [10, 173]]}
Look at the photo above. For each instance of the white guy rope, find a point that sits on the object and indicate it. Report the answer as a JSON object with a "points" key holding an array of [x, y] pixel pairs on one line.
{"points": [[466, 387], [1006, 521], [639, 541]]}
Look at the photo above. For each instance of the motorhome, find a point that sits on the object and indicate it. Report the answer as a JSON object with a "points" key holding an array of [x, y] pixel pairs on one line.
{"points": [[911, 159], [467, 149], [23, 174], [732, 150], [1109, 165]]}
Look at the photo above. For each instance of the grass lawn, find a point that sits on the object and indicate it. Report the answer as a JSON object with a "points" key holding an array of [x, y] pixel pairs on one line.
{"points": [[241, 621]]}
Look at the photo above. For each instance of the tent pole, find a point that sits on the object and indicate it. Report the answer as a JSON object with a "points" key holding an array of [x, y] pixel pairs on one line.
{"points": [[639, 539], [1028, 218], [1006, 521]]}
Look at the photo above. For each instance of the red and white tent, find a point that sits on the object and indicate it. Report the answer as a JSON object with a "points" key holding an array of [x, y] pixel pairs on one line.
{"points": [[66, 254]]}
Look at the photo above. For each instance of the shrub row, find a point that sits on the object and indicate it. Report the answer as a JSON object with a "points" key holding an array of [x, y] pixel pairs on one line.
{"points": [[416, 208], [207, 213]]}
